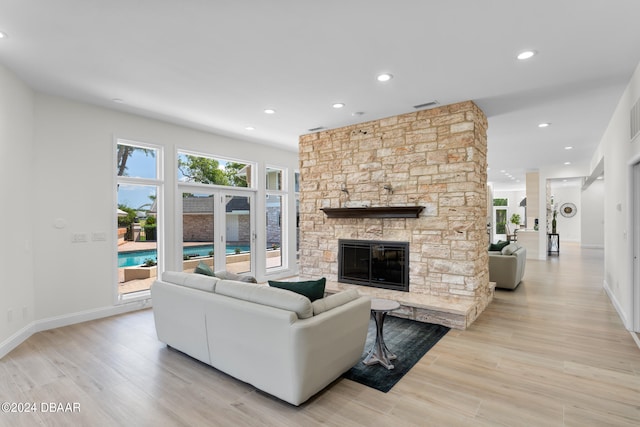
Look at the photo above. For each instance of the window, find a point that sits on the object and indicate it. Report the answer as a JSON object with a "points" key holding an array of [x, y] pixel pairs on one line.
{"points": [[218, 213], [274, 217], [296, 178], [138, 188], [201, 169]]}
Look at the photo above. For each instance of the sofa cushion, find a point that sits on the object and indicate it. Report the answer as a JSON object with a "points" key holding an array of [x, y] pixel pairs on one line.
{"points": [[312, 289], [203, 268], [227, 275], [265, 295], [332, 301], [498, 246], [510, 249], [195, 281]]}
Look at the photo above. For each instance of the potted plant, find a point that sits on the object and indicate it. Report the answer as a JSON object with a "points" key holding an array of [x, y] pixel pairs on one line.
{"points": [[515, 220]]}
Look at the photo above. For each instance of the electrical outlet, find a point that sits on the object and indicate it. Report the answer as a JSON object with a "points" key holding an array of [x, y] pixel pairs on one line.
{"points": [[99, 237], [79, 238]]}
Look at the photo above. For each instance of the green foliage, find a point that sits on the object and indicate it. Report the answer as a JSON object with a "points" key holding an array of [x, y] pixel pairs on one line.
{"points": [[231, 170], [515, 219], [500, 202], [126, 221], [205, 170], [501, 228], [149, 262], [202, 170], [151, 220]]}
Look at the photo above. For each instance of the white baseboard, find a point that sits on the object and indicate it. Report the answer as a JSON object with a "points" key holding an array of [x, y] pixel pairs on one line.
{"points": [[616, 304], [68, 319], [15, 340], [587, 246]]}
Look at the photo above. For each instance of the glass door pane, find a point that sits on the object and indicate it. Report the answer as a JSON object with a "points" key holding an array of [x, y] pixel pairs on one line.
{"points": [[238, 233], [198, 230], [137, 237], [274, 231]]}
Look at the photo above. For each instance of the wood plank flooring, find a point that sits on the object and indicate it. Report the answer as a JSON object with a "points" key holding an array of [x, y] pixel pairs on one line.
{"points": [[551, 353]]}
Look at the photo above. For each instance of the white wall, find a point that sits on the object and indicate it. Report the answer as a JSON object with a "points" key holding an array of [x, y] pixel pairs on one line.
{"points": [[514, 198], [57, 169], [74, 164], [16, 214], [592, 216], [569, 229], [617, 150]]}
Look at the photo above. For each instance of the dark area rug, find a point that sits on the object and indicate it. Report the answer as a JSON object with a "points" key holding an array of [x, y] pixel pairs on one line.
{"points": [[408, 339]]}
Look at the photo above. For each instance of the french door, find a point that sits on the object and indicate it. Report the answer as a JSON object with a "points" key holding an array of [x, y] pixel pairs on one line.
{"points": [[218, 230]]}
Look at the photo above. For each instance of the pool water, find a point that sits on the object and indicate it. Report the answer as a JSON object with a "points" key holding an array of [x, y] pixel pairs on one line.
{"points": [[135, 258]]}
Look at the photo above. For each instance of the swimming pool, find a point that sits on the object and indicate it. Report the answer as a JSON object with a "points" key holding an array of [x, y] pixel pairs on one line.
{"points": [[134, 258]]}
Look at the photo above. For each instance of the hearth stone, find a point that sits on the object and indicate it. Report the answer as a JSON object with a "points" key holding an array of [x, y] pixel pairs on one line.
{"points": [[454, 312]]}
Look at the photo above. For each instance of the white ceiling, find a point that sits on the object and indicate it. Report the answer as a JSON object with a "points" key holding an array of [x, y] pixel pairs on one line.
{"points": [[216, 65]]}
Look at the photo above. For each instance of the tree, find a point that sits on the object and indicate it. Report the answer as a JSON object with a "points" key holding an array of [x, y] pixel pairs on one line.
{"points": [[202, 170], [124, 152], [232, 171], [207, 171]]}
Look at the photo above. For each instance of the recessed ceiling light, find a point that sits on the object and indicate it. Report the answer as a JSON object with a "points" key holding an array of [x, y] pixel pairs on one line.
{"points": [[544, 125], [385, 77], [568, 147], [526, 54], [117, 100], [3, 35], [600, 177], [250, 128], [567, 163], [338, 105], [270, 111]]}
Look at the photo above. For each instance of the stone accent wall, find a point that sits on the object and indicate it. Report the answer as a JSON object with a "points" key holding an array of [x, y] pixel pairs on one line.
{"points": [[434, 158]]}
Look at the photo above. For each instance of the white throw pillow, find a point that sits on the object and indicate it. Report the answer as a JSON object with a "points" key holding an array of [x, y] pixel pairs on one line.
{"points": [[333, 301]]}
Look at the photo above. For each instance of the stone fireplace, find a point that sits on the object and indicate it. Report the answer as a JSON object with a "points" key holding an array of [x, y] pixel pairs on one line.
{"points": [[418, 178]]}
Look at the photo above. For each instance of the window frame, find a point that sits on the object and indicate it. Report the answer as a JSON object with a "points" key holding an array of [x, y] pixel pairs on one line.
{"points": [[159, 183]]}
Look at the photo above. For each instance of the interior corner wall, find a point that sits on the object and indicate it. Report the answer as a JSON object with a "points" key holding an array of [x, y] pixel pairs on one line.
{"points": [[16, 216], [592, 216], [618, 149]]}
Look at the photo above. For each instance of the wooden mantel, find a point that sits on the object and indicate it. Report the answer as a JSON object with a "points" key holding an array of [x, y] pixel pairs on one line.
{"points": [[374, 212]]}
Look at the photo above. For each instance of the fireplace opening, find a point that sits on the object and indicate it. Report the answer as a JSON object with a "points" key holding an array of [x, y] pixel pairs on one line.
{"points": [[374, 263]]}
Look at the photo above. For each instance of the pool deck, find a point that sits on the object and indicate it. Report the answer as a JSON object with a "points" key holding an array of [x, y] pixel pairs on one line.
{"points": [[146, 246], [144, 284]]}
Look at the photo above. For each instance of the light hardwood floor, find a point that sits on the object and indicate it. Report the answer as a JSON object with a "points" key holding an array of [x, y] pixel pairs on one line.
{"points": [[551, 353]]}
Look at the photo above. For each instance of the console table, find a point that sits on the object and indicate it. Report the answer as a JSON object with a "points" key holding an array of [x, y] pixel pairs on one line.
{"points": [[553, 244]]}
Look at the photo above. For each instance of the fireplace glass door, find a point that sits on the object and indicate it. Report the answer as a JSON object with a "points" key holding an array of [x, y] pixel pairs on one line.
{"points": [[374, 263]]}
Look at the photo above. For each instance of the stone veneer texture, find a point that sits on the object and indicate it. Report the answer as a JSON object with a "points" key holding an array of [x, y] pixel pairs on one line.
{"points": [[434, 158]]}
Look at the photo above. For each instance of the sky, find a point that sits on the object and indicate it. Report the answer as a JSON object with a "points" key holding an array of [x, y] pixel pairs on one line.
{"points": [[140, 165]]}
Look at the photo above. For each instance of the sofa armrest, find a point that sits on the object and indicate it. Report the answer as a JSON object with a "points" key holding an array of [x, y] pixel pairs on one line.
{"points": [[503, 270]]}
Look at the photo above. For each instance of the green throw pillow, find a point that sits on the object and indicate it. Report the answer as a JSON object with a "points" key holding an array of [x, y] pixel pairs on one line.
{"points": [[498, 246], [312, 289], [203, 268]]}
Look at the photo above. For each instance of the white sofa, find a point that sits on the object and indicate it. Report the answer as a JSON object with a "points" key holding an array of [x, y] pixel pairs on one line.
{"points": [[274, 339], [506, 267]]}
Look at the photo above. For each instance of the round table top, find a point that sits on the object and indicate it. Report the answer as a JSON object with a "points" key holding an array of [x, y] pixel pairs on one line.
{"points": [[379, 304]]}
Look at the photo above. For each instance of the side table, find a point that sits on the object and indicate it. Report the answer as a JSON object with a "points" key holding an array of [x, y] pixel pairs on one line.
{"points": [[553, 244], [379, 353]]}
